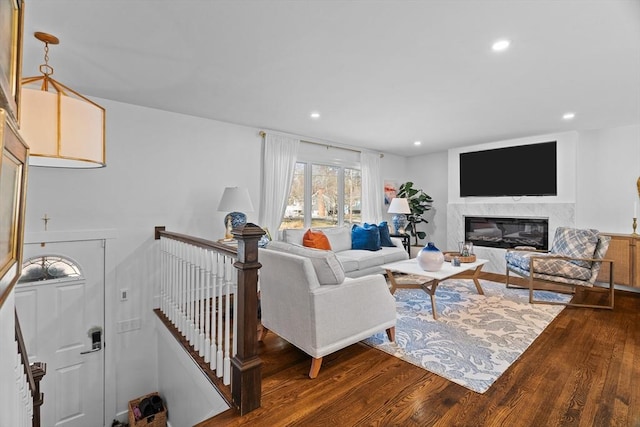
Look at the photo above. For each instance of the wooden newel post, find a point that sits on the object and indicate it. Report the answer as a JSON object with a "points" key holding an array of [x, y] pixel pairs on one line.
{"points": [[246, 375]]}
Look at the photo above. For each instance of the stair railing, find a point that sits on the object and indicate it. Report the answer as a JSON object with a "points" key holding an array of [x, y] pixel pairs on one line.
{"points": [[28, 377], [209, 292]]}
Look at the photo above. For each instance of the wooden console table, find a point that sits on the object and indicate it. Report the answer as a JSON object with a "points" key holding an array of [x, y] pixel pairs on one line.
{"points": [[624, 250]]}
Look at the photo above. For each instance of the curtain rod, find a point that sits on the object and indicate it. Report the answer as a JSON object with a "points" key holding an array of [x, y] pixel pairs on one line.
{"points": [[322, 144]]}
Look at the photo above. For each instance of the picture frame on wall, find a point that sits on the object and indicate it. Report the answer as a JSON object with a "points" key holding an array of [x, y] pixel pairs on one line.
{"points": [[11, 28], [13, 181], [390, 191]]}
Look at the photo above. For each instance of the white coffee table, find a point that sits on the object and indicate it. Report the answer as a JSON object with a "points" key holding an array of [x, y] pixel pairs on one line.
{"points": [[429, 280]]}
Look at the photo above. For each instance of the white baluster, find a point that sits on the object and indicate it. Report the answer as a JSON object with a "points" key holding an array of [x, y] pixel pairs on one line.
{"points": [[207, 306], [196, 299], [220, 336], [171, 309], [201, 299], [176, 284], [185, 291], [179, 285], [214, 287]]}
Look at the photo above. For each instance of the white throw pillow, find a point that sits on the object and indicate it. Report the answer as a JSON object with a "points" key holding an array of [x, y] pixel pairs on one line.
{"points": [[293, 235], [339, 237], [325, 263]]}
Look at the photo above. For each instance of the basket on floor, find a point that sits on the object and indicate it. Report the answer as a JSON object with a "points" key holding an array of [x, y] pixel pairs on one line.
{"points": [[140, 411]]}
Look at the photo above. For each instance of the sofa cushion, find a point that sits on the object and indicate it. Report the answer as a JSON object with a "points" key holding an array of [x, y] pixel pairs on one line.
{"points": [[349, 263], [575, 243], [316, 239], [365, 237], [385, 238], [293, 235], [325, 263], [363, 258], [339, 237]]}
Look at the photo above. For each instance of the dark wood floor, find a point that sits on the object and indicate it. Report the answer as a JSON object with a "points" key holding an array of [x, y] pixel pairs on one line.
{"points": [[583, 370]]}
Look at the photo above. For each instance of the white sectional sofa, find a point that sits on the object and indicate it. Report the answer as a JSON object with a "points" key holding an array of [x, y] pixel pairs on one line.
{"points": [[355, 262]]}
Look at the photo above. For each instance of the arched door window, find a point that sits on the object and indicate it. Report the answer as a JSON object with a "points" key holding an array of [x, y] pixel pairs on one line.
{"points": [[48, 267]]}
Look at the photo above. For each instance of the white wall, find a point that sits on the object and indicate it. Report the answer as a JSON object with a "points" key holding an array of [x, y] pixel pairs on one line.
{"points": [[429, 173], [608, 169], [162, 169], [198, 399]]}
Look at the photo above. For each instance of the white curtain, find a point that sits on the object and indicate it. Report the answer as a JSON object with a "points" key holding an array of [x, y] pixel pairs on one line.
{"points": [[278, 162], [372, 190]]}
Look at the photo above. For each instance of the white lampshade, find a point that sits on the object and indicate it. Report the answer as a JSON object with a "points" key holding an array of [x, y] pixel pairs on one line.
{"points": [[235, 199], [63, 128], [62, 131], [399, 206]]}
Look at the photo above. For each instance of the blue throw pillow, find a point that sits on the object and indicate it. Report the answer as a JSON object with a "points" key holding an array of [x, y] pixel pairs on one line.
{"points": [[365, 237], [385, 238]]}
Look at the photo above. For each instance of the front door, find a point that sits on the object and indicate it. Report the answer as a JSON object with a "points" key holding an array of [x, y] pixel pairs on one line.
{"points": [[62, 319]]}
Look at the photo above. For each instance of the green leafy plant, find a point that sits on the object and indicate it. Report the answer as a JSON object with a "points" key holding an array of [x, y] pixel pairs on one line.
{"points": [[419, 203]]}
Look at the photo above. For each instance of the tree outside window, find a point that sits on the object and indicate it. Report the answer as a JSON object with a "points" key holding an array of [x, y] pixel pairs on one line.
{"points": [[323, 196]]}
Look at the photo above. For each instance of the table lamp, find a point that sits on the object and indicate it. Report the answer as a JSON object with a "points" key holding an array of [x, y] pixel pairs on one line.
{"points": [[399, 206], [236, 201]]}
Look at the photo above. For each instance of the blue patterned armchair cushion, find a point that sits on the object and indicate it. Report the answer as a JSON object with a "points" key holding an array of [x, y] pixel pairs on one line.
{"points": [[521, 259], [575, 243], [549, 266]]}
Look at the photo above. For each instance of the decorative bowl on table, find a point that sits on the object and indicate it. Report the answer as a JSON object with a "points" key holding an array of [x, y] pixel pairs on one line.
{"points": [[448, 257]]}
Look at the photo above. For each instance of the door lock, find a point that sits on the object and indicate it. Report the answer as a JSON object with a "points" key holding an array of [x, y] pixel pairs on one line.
{"points": [[95, 334]]}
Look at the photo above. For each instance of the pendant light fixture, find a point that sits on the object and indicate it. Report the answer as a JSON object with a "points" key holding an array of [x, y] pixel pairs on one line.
{"points": [[63, 128]]}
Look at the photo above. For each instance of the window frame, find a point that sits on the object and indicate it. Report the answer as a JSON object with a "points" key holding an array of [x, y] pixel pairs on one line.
{"points": [[308, 187]]}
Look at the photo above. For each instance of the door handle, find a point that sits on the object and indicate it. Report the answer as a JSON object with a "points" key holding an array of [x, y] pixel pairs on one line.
{"points": [[91, 351], [96, 340]]}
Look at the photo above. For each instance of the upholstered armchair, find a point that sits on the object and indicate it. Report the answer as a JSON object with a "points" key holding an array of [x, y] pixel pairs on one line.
{"points": [[306, 299], [573, 262]]}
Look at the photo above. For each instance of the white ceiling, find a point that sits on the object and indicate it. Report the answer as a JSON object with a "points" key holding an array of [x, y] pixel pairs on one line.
{"points": [[381, 73]]}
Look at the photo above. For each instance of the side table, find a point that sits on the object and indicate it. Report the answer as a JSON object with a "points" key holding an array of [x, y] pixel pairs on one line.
{"points": [[406, 242]]}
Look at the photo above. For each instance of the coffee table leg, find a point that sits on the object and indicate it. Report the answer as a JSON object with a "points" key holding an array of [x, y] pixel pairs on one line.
{"points": [[430, 288], [472, 275], [476, 274], [392, 279]]}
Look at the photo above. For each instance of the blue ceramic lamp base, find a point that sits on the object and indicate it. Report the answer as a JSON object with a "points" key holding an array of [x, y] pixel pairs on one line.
{"points": [[233, 220], [399, 222]]}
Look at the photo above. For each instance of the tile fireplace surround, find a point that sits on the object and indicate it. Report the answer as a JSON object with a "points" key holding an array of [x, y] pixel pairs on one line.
{"points": [[559, 214]]}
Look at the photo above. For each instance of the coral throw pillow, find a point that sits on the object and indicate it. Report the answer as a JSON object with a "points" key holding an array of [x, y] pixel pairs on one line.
{"points": [[316, 239]]}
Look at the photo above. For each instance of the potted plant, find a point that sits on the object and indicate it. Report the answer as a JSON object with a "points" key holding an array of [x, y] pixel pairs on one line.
{"points": [[419, 203]]}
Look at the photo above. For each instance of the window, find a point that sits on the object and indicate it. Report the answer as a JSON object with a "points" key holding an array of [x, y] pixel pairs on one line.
{"points": [[48, 268], [323, 196]]}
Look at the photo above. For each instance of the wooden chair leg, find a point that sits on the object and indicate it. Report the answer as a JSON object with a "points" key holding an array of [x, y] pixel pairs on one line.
{"points": [[315, 367], [391, 333]]}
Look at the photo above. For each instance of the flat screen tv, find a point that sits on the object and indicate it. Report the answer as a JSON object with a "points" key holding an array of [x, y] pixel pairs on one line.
{"points": [[522, 170]]}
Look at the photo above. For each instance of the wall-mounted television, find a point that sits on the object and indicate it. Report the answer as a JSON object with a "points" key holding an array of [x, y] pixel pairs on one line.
{"points": [[522, 170]]}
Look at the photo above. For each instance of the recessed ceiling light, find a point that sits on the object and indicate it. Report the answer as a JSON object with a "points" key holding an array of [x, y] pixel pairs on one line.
{"points": [[568, 116], [500, 45], [315, 115], [416, 143]]}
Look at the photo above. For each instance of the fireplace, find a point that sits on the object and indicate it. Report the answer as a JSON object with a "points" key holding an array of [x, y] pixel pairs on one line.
{"points": [[499, 232]]}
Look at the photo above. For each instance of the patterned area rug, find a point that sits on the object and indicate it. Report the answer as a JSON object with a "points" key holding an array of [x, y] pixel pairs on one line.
{"points": [[476, 337]]}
